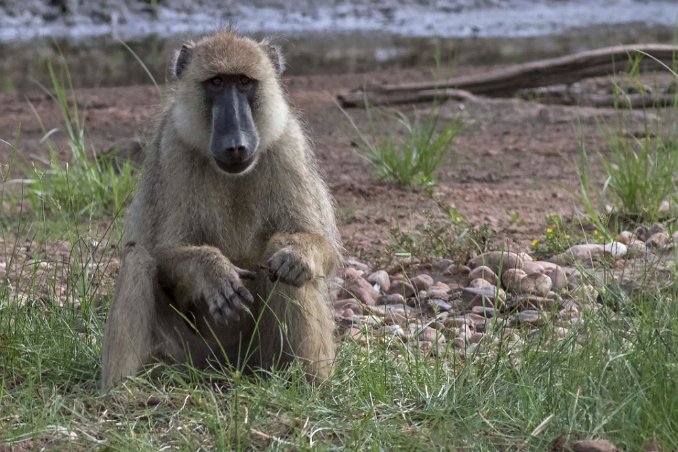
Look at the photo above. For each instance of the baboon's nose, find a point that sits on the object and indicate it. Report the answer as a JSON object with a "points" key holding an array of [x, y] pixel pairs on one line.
{"points": [[237, 150]]}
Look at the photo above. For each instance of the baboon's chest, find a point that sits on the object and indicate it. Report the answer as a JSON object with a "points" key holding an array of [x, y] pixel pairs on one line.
{"points": [[236, 228]]}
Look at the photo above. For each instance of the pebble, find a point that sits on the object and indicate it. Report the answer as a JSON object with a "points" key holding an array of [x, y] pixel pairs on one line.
{"points": [[394, 298], [441, 286], [568, 313], [664, 207], [497, 260], [437, 293], [547, 266], [656, 228], [480, 282], [558, 278], [441, 264], [438, 325], [659, 240], [476, 337], [493, 294], [450, 270], [351, 262], [641, 233], [530, 317], [532, 268], [458, 322], [625, 237], [357, 287], [484, 311], [437, 305], [533, 302], [536, 284], [475, 318], [402, 287], [392, 330], [356, 334], [482, 302], [485, 273], [348, 303], [431, 335], [561, 332], [453, 332], [587, 254], [511, 278], [381, 279], [637, 248], [394, 313], [371, 320], [594, 445], [422, 282], [615, 249], [525, 257]]}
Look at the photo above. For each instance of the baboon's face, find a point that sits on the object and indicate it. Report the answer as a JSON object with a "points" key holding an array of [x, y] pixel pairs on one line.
{"points": [[234, 139], [229, 103]]}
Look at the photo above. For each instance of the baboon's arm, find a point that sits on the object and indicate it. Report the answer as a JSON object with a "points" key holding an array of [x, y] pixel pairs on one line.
{"points": [[300, 257], [195, 274]]}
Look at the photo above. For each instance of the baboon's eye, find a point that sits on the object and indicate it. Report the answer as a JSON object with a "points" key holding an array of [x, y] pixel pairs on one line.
{"points": [[216, 82], [244, 80]]}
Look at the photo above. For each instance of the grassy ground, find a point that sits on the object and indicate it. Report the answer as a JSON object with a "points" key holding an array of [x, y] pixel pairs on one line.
{"points": [[613, 375]]}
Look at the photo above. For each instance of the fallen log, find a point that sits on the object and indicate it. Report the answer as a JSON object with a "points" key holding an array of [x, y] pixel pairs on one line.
{"points": [[378, 98], [505, 82]]}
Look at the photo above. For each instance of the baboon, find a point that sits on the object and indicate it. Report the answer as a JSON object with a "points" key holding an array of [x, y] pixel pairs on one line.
{"points": [[231, 236]]}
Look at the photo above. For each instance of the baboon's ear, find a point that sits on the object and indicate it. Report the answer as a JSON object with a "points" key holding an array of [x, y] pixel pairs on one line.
{"points": [[181, 60], [275, 55]]}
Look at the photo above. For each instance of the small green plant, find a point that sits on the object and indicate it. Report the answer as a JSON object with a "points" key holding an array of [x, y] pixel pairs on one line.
{"points": [[83, 185], [412, 156], [450, 237], [641, 173], [560, 234]]}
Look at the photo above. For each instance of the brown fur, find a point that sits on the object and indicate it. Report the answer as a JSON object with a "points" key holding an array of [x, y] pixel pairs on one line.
{"points": [[193, 227]]}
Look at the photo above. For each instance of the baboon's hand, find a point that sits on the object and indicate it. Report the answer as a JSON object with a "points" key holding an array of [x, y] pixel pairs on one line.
{"points": [[289, 267], [229, 298]]}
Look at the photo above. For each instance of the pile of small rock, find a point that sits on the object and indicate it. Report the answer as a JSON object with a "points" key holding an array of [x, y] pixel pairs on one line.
{"points": [[496, 296]]}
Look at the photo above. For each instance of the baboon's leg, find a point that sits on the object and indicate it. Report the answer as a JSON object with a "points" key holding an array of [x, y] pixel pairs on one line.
{"points": [[296, 322], [141, 325]]}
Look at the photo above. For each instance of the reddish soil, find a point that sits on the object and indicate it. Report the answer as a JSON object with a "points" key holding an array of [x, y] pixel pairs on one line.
{"points": [[513, 164]]}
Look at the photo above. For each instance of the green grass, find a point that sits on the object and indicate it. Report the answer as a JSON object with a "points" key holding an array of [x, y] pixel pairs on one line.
{"points": [[612, 378], [407, 150], [641, 172], [84, 185]]}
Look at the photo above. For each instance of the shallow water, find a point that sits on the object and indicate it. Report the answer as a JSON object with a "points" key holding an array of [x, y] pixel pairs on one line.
{"points": [[318, 36], [134, 19]]}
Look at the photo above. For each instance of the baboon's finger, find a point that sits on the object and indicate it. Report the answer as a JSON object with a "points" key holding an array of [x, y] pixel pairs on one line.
{"points": [[220, 308], [299, 274], [279, 266], [245, 274], [227, 304], [245, 295]]}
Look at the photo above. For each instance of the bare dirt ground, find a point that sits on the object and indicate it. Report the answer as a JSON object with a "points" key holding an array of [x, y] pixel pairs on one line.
{"points": [[514, 162]]}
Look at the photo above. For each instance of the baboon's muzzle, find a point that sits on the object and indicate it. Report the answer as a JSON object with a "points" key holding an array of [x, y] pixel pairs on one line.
{"points": [[234, 135]]}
